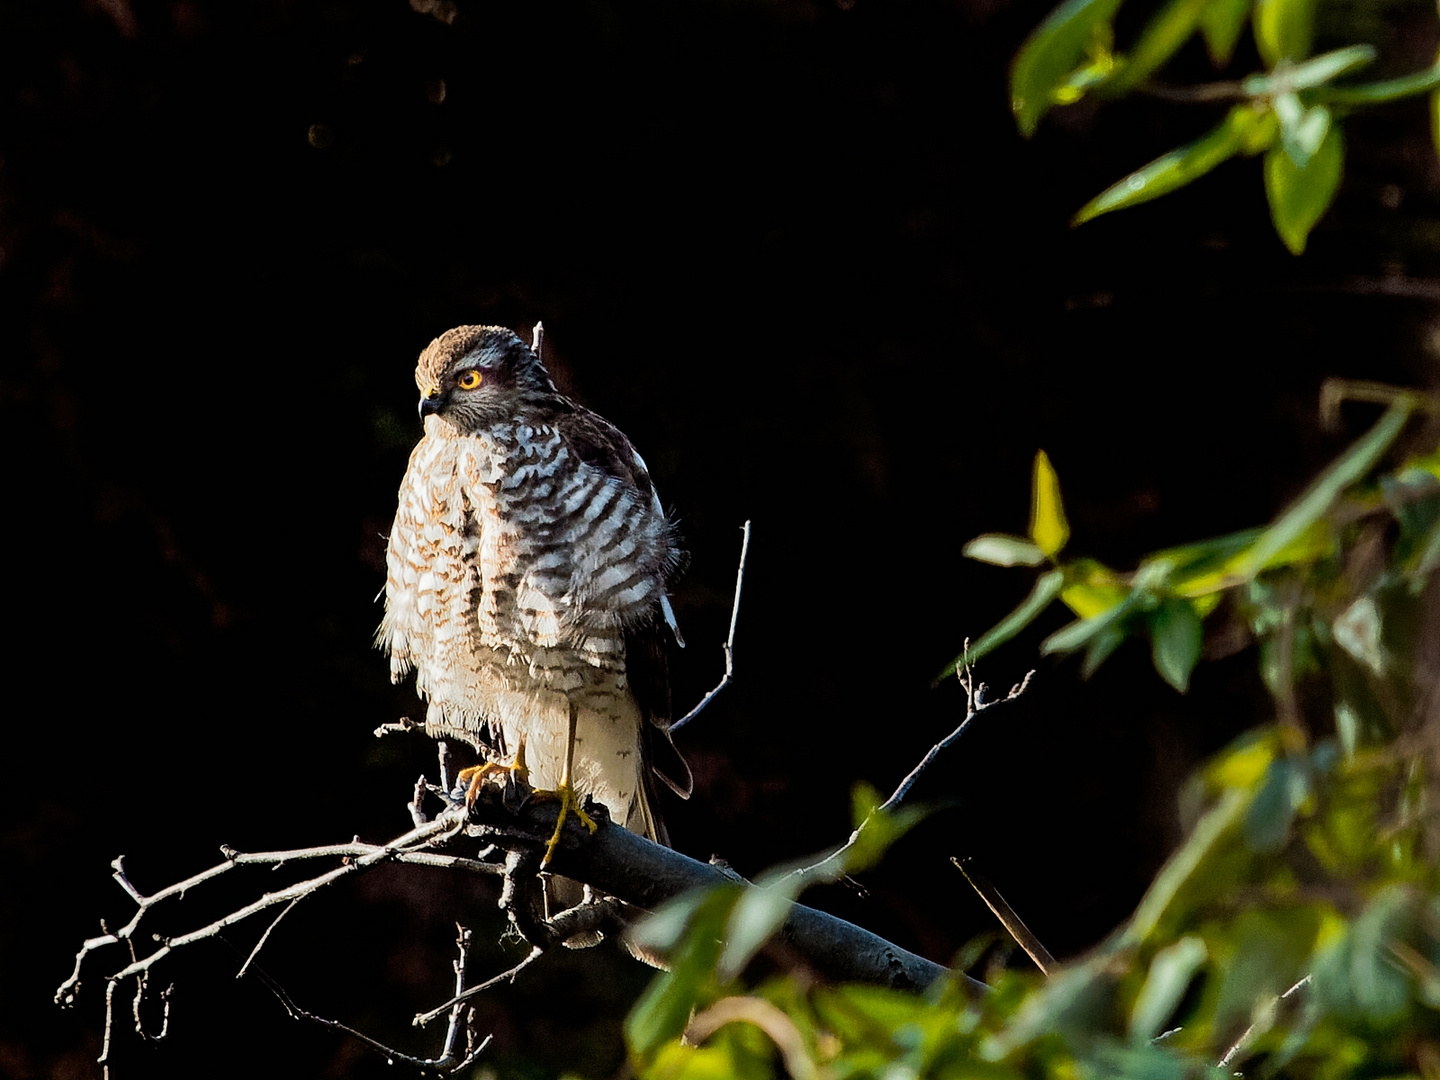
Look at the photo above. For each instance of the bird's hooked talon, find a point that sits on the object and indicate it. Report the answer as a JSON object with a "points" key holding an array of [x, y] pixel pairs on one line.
{"points": [[475, 775], [568, 801]]}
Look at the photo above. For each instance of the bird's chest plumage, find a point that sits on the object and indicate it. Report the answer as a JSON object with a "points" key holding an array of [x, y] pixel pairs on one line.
{"points": [[515, 566]]}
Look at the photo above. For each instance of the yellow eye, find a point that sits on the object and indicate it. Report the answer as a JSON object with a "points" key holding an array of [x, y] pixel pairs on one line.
{"points": [[468, 380]]}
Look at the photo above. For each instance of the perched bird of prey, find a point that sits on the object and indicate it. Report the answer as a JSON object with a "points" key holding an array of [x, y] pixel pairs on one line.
{"points": [[526, 578]]}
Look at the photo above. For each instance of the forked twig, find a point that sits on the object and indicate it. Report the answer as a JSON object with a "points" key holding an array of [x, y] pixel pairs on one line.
{"points": [[729, 645], [463, 994]]}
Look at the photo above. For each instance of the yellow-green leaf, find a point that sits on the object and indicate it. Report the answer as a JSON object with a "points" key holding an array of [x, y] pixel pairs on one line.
{"points": [[1435, 120], [1293, 525], [1284, 29], [1402, 86], [1048, 527], [1170, 974], [1051, 53], [1092, 588], [1167, 30], [1179, 166], [1221, 23], [1299, 196], [1046, 589]]}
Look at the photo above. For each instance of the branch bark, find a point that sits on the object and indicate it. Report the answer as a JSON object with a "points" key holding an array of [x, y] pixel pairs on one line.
{"points": [[629, 867]]}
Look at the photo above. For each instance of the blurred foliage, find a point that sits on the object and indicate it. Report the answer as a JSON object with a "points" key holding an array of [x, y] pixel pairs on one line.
{"points": [[1292, 112], [1296, 932]]}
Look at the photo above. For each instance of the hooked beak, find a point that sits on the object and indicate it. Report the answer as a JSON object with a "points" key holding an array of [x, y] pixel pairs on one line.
{"points": [[430, 402]]}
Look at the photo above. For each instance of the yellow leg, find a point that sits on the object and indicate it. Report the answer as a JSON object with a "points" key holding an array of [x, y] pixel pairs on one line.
{"points": [[476, 774], [566, 794]]}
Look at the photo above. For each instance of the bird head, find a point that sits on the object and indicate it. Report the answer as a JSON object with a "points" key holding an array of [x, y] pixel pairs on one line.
{"points": [[473, 376]]}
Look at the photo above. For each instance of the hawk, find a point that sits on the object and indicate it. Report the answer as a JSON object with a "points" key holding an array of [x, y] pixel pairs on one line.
{"points": [[526, 579]]}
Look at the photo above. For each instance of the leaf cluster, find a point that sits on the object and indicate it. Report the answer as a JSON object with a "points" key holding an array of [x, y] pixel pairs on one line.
{"points": [[1296, 932], [1291, 112]]}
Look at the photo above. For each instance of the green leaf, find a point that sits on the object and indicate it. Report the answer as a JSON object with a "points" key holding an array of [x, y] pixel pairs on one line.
{"points": [[1267, 824], [1357, 977], [1048, 527], [1199, 569], [1284, 29], [1051, 52], [1175, 637], [1073, 635], [1221, 23], [1046, 589], [1315, 72], [1271, 951], [1074, 1001], [876, 829], [761, 910], [1322, 493], [1167, 30], [1429, 558], [1209, 832], [1300, 196], [1170, 974], [1177, 168], [664, 1009], [1386, 89], [1101, 646], [1000, 549], [1435, 120]]}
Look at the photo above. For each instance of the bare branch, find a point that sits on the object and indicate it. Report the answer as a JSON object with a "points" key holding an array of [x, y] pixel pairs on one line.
{"points": [[1006, 914], [832, 865], [625, 869], [729, 645], [626, 865], [357, 856]]}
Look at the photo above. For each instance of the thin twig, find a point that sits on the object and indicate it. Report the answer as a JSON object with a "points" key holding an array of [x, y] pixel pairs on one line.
{"points": [[1243, 1043], [975, 705], [1006, 914], [421, 1019], [104, 1058], [444, 1063], [1199, 94], [266, 936], [140, 985], [729, 645], [452, 1031]]}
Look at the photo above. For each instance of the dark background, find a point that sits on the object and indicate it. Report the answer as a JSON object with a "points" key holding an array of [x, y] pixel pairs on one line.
{"points": [[797, 251]]}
